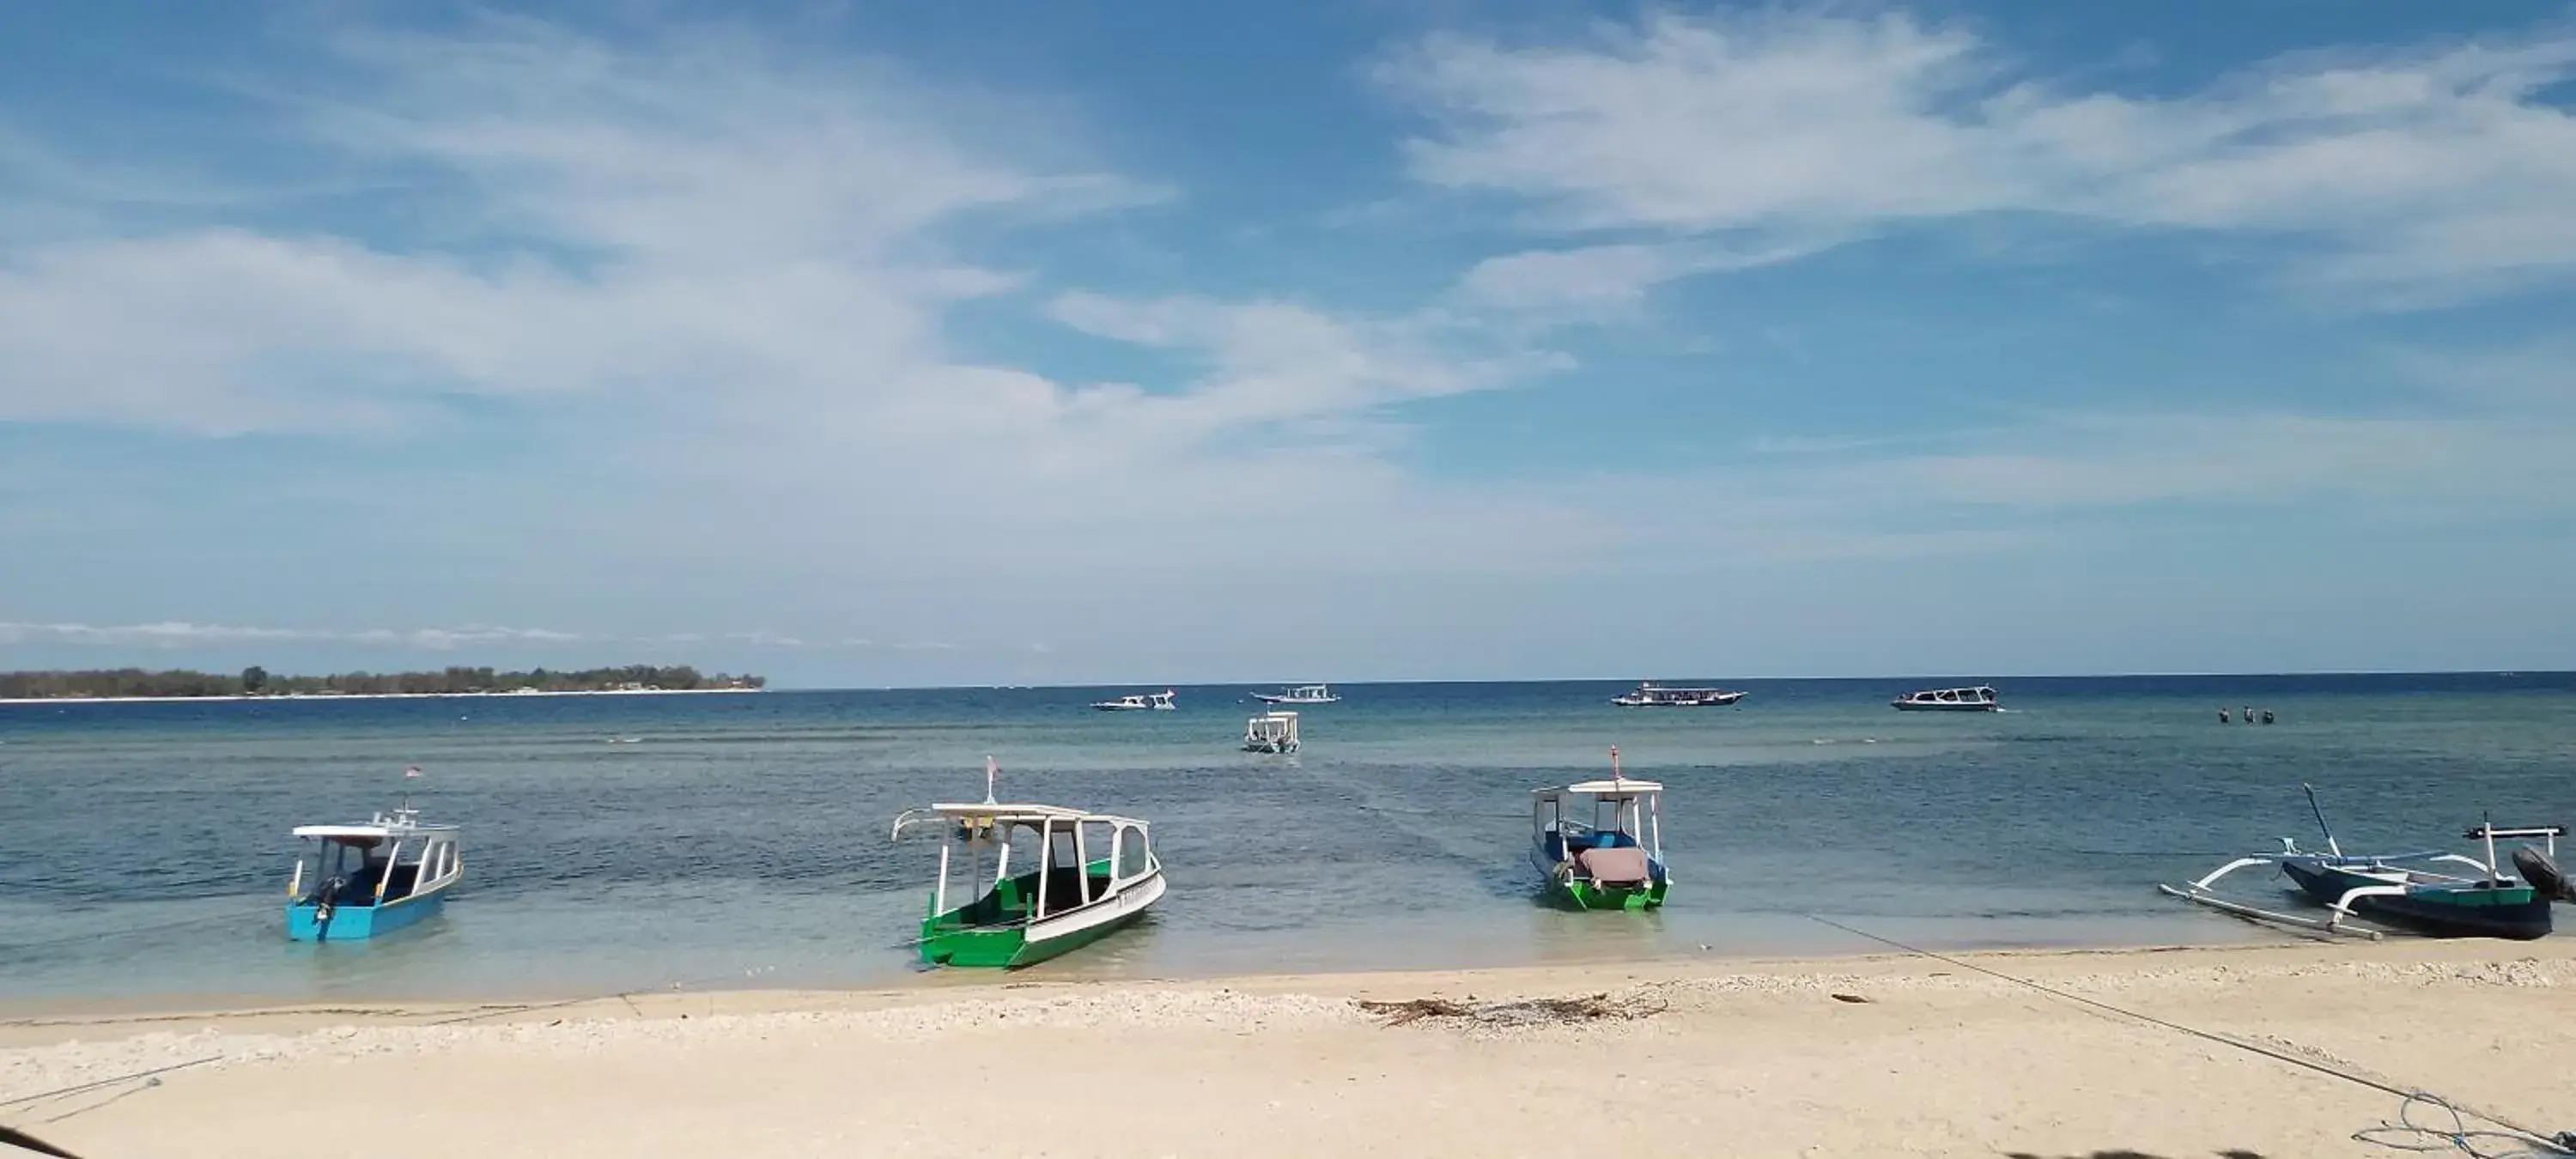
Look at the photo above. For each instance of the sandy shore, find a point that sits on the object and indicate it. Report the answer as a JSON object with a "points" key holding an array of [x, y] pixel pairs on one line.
{"points": [[1718, 1058]]}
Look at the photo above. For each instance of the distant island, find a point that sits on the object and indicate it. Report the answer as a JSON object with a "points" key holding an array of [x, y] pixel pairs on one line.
{"points": [[254, 682]]}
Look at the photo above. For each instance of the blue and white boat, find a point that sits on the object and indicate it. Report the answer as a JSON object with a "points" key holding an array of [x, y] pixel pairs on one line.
{"points": [[362, 881]]}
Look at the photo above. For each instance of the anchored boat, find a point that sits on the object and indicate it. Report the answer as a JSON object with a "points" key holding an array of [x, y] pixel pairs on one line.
{"points": [[1977, 699], [1301, 694], [2404, 891], [1271, 732], [1137, 702], [1601, 843], [1651, 695], [359, 881], [1043, 879]]}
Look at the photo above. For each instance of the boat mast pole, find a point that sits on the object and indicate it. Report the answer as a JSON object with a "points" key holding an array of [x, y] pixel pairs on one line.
{"points": [[2331, 847]]}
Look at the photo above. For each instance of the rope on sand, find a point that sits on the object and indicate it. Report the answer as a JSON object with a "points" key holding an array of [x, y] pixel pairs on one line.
{"points": [[2403, 1135]]}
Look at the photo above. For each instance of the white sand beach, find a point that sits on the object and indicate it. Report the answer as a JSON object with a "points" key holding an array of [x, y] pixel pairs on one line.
{"points": [[1698, 1058]]}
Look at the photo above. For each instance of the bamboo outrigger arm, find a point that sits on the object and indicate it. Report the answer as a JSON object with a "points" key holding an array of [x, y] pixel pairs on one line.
{"points": [[2198, 894]]}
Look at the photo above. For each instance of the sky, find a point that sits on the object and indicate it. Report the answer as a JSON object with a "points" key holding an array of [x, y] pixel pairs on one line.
{"points": [[1057, 341]]}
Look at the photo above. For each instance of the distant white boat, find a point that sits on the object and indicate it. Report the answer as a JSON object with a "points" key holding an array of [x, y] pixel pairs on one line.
{"points": [[1301, 694], [1136, 702], [1271, 732], [1650, 695], [1977, 699]]}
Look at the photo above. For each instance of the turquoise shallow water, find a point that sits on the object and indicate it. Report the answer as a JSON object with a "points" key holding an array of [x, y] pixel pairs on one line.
{"points": [[742, 839]]}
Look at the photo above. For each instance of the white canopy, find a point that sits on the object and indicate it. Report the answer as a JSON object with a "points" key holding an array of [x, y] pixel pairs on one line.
{"points": [[1013, 812], [377, 831], [1624, 787]]}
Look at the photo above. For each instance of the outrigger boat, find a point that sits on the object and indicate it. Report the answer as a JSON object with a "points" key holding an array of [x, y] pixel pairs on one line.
{"points": [[1614, 860], [1271, 732], [1977, 699], [2403, 892], [1047, 879], [1137, 702], [370, 879], [1301, 694], [1650, 695]]}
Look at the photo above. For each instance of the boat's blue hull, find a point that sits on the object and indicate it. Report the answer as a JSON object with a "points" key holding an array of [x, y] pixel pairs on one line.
{"points": [[350, 923]]}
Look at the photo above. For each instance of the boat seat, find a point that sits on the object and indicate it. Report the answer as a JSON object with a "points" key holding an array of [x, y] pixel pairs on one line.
{"points": [[1623, 865]]}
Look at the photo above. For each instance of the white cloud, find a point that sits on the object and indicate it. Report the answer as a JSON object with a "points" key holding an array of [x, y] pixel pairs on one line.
{"points": [[1592, 281], [2260, 459], [1274, 362], [2443, 168], [702, 214], [181, 634], [720, 274]]}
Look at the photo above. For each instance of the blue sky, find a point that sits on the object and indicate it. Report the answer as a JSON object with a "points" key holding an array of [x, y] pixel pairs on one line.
{"points": [[1147, 342]]}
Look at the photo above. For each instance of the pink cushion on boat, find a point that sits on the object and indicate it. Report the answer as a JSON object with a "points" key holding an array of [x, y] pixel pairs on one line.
{"points": [[1620, 865]]}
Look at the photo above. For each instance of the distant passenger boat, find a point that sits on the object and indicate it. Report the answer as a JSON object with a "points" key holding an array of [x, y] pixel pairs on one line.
{"points": [[370, 879], [1977, 699], [1271, 732], [1650, 695], [1038, 880], [1301, 694], [1137, 703]]}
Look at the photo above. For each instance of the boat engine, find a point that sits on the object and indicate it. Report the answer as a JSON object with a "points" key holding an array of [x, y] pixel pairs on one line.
{"points": [[2544, 875]]}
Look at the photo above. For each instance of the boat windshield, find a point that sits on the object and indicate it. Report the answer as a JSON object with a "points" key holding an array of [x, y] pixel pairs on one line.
{"points": [[1022, 869], [364, 870], [1574, 822]]}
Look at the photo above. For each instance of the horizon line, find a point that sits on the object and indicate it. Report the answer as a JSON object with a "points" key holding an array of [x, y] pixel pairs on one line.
{"points": [[987, 687]]}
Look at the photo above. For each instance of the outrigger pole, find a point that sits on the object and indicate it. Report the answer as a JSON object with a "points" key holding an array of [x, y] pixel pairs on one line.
{"points": [[2311, 791]]}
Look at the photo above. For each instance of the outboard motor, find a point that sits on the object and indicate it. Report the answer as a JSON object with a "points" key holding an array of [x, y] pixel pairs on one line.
{"points": [[2545, 877]]}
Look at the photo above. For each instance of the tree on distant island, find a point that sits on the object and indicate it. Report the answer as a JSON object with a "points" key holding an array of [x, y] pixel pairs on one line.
{"points": [[257, 681]]}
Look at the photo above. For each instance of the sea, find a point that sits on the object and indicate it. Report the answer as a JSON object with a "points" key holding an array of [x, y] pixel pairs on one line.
{"points": [[639, 842]]}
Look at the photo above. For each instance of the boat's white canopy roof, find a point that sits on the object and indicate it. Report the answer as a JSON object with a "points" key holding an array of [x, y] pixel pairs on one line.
{"points": [[983, 810], [378, 831], [1624, 787]]}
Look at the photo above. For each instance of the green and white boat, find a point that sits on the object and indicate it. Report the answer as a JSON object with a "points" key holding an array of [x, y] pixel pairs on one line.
{"points": [[1601, 843], [1044, 879]]}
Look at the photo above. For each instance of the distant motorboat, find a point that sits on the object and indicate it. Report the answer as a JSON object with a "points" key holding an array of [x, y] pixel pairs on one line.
{"points": [[1977, 699], [1271, 732], [1301, 694], [1138, 702], [1651, 695]]}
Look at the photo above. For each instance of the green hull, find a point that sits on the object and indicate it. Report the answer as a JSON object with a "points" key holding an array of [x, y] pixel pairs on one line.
{"points": [[992, 931], [1584, 895]]}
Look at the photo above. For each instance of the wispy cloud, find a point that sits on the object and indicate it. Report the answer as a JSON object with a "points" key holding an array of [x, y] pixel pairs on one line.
{"points": [[1594, 281], [730, 265], [181, 634], [177, 634], [2442, 170], [1269, 362]]}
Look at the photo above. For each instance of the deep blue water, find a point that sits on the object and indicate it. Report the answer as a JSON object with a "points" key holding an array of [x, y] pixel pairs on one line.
{"points": [[144, 847]]}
